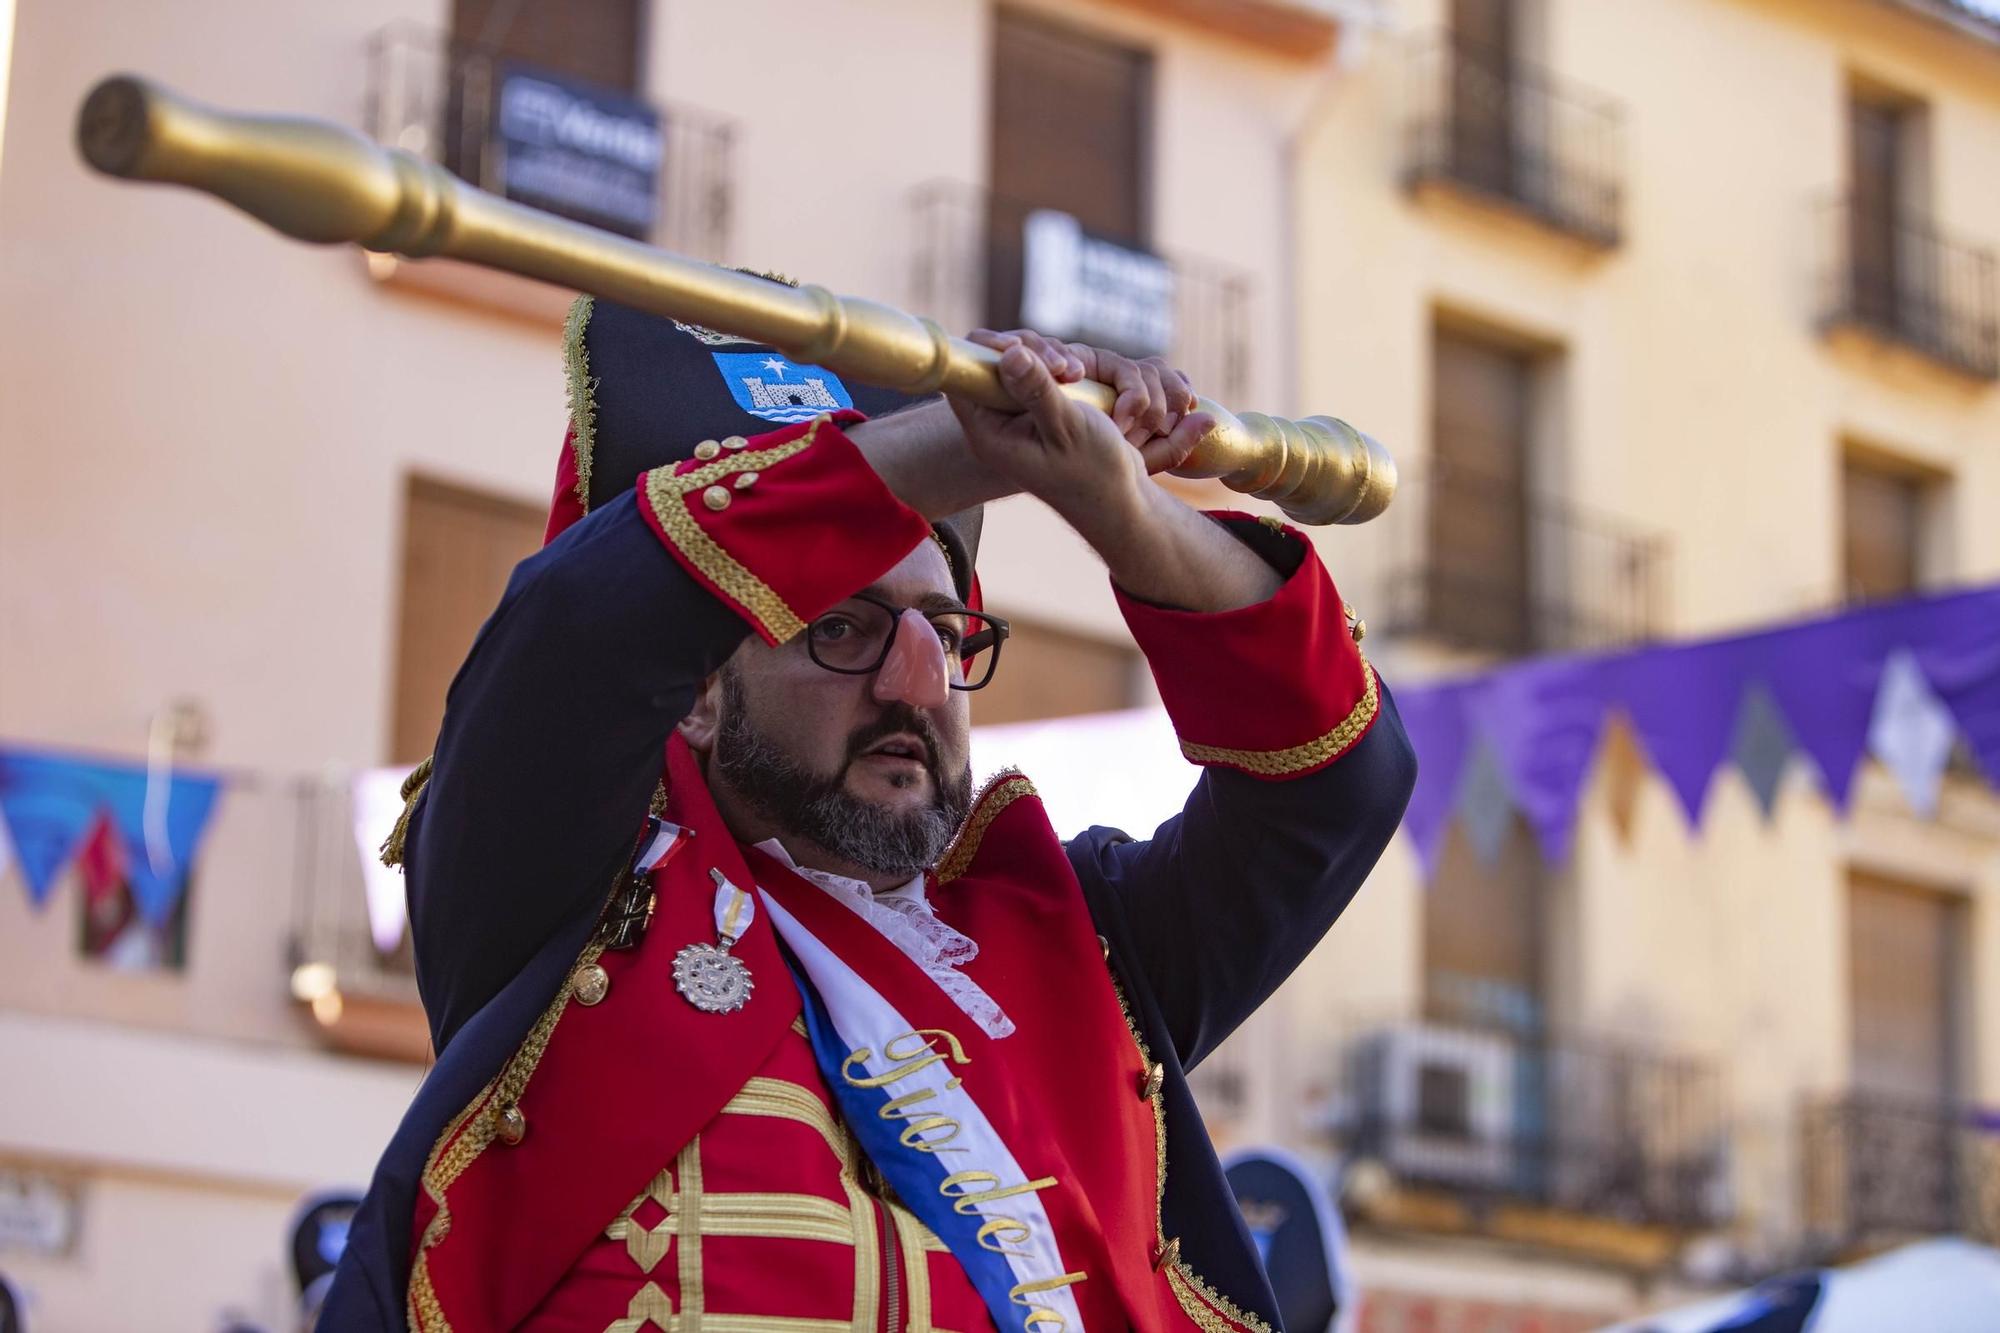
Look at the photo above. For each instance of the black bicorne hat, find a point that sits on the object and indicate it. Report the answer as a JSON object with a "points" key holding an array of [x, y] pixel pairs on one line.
{"points": [[645, 390]]}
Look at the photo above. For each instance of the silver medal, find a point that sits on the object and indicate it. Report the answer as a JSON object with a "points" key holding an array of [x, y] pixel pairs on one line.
{"points": [[711, 978], [714, 980]]}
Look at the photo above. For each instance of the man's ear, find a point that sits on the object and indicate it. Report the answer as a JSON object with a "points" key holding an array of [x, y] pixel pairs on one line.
{"points": [[698, 728]]}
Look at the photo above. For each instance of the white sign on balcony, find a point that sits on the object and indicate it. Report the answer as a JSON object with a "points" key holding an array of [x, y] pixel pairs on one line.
{"points": [[585, 153], [1079, 287]]}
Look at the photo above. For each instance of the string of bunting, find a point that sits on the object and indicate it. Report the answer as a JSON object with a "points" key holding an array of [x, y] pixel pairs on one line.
{"points": [[1903, 682], [57, 807]]}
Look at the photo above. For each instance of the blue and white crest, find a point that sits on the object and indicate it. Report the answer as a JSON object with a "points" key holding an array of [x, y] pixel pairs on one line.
{"points": [[776, 388]]}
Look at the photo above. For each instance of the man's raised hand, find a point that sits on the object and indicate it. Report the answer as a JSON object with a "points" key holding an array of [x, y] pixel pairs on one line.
{"points": [[1080, 462]]}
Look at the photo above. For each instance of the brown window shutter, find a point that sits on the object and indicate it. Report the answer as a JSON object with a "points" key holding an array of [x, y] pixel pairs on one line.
{"points": [[1881, 517], [1903, 955], [459, 547], [1483, 930], [1478, 562], [597, 41], [1071, 130]]}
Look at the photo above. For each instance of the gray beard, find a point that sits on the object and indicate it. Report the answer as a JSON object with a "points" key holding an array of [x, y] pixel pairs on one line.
{"points": [[821, 810]]}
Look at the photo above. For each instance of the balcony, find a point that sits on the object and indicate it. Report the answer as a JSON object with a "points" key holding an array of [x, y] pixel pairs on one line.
{"points": [[1475, 564], [1900, 280], [349, 951], [1574, 1143], [968, 272], [1512, 135], [1878, 1170], [660, 174]]}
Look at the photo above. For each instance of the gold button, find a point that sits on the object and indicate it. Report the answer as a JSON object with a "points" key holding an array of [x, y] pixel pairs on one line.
{"points": [[1154, 1080], [745, 480], [1104, 945], [1360, 630], [1170, 1254], [735, 442], [706, 450], [592, 984], [513, 1125], [716, 498]]}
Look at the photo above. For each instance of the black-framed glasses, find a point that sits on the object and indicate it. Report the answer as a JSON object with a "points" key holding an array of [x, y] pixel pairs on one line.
{"points": [[854, 639]]}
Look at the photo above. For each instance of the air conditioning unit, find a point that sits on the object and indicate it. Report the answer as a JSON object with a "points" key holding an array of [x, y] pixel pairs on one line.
{"points": [[1440, 1104]]}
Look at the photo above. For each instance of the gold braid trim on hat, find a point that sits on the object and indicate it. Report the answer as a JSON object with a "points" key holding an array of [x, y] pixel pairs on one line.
{"points": [[582, 394], [1297, 759], [667, 494]]}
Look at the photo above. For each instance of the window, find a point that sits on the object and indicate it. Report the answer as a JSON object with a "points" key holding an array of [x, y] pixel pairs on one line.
{"points": [[1049, 672], [1483, 930], [1886, 195], [596, 41], [1484, 52], [1904, 979], [1071, 130], [1478, 590], [459, 547], [1885, 513]]}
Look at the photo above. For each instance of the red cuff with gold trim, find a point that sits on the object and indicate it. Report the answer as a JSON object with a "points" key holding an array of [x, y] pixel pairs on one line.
{"points": [[781, 526], [1275, 690]]}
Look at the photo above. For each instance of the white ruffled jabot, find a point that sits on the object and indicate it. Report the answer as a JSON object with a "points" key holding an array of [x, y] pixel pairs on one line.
{"points": [[904, 916]]}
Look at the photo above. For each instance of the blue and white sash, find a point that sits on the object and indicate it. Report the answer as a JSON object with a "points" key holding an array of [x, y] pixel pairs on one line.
{"points": [[919, 1123]]}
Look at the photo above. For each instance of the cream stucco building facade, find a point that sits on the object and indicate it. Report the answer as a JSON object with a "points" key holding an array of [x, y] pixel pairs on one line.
{"points": [[211, 438]]}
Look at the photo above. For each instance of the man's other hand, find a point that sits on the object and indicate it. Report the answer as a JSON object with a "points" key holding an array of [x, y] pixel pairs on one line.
{"points": [[1085, 465]]}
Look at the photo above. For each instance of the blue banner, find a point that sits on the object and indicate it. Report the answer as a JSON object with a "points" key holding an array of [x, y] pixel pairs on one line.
{"points": [[51, 802]]}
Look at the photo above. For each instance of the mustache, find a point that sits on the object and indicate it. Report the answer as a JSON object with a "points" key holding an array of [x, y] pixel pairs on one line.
{"points": [[899, 717]]}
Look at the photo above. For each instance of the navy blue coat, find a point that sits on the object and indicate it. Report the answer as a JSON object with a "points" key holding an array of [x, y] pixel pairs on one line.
{"points": [[551, 746]]}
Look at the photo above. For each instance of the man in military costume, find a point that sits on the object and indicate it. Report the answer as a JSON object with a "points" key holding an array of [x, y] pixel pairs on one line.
{"points": [[749, 1013]]}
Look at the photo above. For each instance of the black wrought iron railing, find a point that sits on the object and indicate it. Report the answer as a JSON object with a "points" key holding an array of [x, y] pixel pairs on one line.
{"points": [[1901, 279], [967, 272], [1482, 564], [1880, 1169], [1587, 1126], [1516, 134], [437, 98]]}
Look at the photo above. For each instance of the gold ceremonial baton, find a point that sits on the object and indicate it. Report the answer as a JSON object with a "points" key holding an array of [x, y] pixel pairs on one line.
{"points": [[316, 181]]}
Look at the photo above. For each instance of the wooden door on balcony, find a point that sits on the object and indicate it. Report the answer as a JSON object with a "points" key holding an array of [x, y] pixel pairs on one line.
{"points": [[1477, 591], [1877, 132], [459, 547], [1901, 1125], [1484, 47], [1903, 970], [1483, 935], [1071, 130], [597, 41]]}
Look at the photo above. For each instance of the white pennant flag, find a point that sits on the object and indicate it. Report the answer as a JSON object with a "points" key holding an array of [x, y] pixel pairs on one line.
{"points": [[1911, 731]]}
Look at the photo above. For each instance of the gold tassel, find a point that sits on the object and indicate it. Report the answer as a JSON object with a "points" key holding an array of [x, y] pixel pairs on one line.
{"points": [[413, 787]]}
